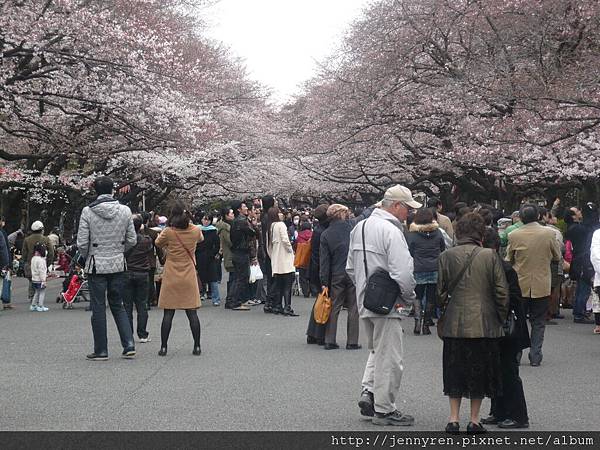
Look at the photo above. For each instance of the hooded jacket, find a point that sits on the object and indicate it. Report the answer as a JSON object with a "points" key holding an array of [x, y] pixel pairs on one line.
{"points": [[425, 243], [105, 233]]}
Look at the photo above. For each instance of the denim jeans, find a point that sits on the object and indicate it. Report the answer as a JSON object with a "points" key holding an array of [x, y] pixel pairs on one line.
{"points": [[102, 287], [582, 293], [136, 292], [215, 296]]}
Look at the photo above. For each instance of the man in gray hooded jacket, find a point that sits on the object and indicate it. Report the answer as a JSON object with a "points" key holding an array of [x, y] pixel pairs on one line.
{"points": [[105, 232]]}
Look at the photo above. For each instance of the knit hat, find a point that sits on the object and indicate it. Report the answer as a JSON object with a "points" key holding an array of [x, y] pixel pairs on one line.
{"points": [[336, 211]]}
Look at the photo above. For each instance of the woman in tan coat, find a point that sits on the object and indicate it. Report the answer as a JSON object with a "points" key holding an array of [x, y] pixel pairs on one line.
{"points": [[180, 283]]}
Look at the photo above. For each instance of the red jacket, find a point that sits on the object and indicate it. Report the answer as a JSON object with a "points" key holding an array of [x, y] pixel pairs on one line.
{"points": [[304, 236]]}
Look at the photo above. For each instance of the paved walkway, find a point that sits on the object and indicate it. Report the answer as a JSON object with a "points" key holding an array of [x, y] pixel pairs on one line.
{"points": [[255, 373]]}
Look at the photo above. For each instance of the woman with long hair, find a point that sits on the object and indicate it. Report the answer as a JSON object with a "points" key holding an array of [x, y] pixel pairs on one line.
{"points": [[208, 259], [180, 282], [281, 253]]}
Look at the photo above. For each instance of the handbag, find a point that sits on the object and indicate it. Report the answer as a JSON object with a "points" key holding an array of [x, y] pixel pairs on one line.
{"points": [[381, 292], [510, 325], [451, 286], [322, 307], [6, 287], [255, 273]]}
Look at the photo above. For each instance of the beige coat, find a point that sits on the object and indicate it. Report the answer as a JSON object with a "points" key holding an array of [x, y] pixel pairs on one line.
{"points": [[530, 250], [280, 250], [179, 288]]}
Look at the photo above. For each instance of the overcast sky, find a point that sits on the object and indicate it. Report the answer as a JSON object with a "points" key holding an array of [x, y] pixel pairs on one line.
{"points": [[281, 39]]}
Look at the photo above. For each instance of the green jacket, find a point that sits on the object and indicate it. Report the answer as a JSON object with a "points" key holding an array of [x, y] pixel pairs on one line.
{"points": [[504, 234], [479, 303], [224, 230]]}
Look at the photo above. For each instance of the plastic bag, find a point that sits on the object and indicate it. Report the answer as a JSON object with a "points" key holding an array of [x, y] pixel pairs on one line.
{"points": [[255, 273]]}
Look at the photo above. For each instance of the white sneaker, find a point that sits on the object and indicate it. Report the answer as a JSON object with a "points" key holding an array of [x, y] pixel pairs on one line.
{"points": [[42, 309], [144, 340], [33, 308]]}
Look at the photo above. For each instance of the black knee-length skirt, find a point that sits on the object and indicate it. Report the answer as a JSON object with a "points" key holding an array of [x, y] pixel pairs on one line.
{"points": [[472, 368]]}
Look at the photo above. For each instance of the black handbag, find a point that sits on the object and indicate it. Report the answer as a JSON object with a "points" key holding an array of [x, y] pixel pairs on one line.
{"points": [[381, 292], [510, 325]]}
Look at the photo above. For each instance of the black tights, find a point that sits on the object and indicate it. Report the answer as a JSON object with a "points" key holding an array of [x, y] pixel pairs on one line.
{"points": [[167, 321]]}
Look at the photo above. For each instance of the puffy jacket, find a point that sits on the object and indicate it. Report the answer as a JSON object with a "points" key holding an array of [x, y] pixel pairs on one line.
{"points": [[479, 303], [105, 233], [39, 269], [425, 243]]}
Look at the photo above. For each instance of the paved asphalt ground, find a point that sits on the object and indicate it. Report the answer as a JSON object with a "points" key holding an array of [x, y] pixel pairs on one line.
{"points": [[256, 372]]}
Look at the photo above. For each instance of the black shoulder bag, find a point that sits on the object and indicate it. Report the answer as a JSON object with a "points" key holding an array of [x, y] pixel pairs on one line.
{"points": [[451, 286], [381, 292]]}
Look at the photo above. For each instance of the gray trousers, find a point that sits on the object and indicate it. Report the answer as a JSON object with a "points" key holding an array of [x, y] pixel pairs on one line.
{"points": [[383, 372], [343, 293], [537, 309]]}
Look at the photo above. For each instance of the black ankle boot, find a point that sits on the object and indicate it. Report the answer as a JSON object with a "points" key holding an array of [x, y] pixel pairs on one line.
{"points": [[196, 350], [162, 351], [417, 329], [425, 329]]}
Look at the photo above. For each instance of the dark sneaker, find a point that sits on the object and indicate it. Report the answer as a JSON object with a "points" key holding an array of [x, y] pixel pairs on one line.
{"points": [[366, 403], [584, 320], [95, 357], [395, 418], [128, 354]]}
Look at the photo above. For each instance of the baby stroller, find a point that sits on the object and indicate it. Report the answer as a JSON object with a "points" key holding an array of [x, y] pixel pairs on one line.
{"points": [[75, 286]]}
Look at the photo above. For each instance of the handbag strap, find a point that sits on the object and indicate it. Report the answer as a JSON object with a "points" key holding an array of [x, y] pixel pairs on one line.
{"points": [[364, 250], [456, 280], [185, 248]]}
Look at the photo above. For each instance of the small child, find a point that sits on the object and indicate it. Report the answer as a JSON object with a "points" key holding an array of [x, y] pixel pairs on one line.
{"points": [[39, 272]]}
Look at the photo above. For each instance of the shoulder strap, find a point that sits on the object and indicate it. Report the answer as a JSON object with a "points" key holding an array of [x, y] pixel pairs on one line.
{"points": [[456, 280], [185, 248], [364, 250]]}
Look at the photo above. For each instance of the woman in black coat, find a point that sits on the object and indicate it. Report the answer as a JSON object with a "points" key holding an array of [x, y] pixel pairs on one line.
{"points": [[510, 409], [208, 260]]}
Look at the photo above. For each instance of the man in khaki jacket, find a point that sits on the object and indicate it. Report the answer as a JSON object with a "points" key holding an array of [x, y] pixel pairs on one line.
{"points": [[531, 249]]}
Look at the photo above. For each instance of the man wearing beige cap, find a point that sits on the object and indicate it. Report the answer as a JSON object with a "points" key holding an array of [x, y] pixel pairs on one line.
{"points": [[384, 249]]}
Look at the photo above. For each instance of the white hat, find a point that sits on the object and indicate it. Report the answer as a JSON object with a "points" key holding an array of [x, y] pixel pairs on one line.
{"points": [[37, 226], [402, 194]]}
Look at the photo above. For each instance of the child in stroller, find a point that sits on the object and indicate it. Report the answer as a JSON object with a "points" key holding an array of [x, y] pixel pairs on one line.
{"points": [[75, 288]]}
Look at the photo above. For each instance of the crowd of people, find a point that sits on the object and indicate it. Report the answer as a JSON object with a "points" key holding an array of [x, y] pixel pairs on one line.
{"points": [[474, 274]]}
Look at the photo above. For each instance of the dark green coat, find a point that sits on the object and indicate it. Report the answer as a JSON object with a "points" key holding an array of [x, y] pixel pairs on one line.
{"points": [[479, 303]]}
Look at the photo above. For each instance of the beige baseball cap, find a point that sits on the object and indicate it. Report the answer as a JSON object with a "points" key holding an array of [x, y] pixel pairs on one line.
{"points": [[402, 194]]}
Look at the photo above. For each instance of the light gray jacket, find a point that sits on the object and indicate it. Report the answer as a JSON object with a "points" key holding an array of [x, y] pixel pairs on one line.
{"points": [[387, 250], [105, 233]]}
